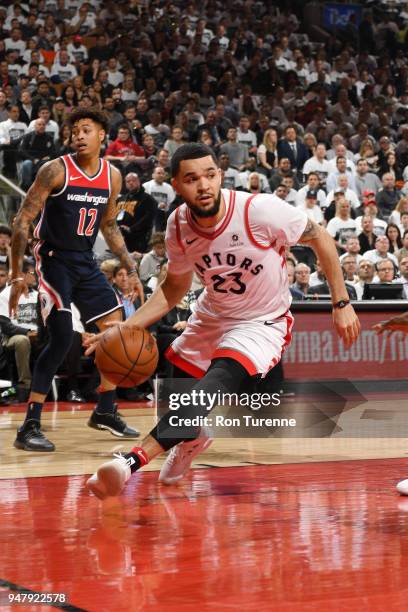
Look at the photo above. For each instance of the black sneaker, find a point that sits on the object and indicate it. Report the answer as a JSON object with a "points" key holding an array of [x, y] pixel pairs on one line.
{"points": [[30, 438], [113, 423]]}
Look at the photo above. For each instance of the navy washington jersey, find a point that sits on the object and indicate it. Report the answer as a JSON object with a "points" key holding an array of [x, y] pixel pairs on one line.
{"points": [[70, 219]]}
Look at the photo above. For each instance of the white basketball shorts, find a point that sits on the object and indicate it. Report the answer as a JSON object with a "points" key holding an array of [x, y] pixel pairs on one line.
{"points": [[256, 345]]}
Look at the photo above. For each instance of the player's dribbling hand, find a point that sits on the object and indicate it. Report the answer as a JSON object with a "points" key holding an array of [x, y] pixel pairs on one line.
{"points": [[16, 291], [91, 341], [347, 324]]}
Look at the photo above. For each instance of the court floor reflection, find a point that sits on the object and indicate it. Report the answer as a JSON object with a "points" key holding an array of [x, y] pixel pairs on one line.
{"points": [[321, 536]]}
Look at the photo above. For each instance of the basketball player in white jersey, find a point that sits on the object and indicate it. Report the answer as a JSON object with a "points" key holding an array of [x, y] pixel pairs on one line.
{"points": [[242, 324]]}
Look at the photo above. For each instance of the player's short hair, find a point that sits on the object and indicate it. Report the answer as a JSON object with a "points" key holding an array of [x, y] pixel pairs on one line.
{"points": [[191, 150], [89, 113]]}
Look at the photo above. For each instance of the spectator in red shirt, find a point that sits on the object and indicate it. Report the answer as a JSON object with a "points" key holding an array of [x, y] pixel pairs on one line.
{"points": [[124, 153]]}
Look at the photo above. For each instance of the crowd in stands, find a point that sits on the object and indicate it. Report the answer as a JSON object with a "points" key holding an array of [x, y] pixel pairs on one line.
{"points": [[322, 125]]}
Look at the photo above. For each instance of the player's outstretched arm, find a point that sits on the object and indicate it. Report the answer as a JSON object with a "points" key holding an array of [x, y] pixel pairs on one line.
{"points": [[114, 238], [398, 323], [345, 319], [50, 177]]}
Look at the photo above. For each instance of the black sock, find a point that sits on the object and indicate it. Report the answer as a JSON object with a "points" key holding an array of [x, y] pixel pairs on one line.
{"points": [[105, 403], [137, 458], [33, 411]]}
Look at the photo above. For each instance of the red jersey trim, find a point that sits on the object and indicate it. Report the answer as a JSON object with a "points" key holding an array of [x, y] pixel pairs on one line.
{"points": [[183, 364], [248, 227], [287, 339], [84, 174], [223, 225], [55, 296], [237, 356], [53, 195], [178, 230]]}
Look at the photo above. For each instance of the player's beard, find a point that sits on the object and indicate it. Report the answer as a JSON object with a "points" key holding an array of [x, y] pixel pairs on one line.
{"points": [[209, 212]]}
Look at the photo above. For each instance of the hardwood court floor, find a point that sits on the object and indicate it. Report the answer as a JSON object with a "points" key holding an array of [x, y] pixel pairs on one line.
{"points": [[319, 527]]}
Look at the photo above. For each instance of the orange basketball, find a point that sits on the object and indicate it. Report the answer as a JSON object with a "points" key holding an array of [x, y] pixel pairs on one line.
{"points": [[127, 356]]}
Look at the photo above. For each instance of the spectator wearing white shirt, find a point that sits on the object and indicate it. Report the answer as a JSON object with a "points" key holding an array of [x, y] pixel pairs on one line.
{"points": [[311, 207], [15, 42], [223, 41], [381, 251], [28, 53], [244, 176], [51, 126], [84, 21], [341, 168], [342, 187], [352, 248], [371, 210], [313, 182], [342, 226], [318, 163], [77, 50], [317, 277], [115, 76], [289, 182], [403, 224], [279, 60], [62, 71], [246, 136], [12, 129], [164, 195]]}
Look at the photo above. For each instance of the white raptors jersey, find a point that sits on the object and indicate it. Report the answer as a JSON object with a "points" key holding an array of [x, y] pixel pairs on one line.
{"points": [[241, 260]]}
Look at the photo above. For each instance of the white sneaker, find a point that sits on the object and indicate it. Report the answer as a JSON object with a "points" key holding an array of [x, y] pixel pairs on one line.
{"points": [[179, 459], [402, 487], [110, 478]]}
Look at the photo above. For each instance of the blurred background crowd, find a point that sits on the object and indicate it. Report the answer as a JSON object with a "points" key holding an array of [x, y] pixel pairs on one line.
{"points": [[299, 99]]}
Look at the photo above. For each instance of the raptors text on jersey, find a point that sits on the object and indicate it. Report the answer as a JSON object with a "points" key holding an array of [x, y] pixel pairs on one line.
{"points": [[240, 261]]}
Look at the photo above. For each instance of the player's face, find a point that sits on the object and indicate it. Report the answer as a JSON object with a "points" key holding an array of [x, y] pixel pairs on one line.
{"points": [[87, 137], [198, 182]]}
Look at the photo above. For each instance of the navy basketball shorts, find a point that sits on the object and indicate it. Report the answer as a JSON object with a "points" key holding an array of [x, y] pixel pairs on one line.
{"points": [[73, 277]]}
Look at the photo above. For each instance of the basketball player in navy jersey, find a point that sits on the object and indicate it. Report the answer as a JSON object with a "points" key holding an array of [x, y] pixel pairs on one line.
{"points": [[76, 197], [241, 324]]}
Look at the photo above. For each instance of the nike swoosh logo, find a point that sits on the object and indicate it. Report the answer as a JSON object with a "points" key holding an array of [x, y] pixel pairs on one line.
{"points": [[191, 241], [74, 178]]}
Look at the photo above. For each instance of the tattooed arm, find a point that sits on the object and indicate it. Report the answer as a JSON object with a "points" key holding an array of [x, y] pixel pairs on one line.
{"points": [[49, 178], [114, 238], [345, 319]]}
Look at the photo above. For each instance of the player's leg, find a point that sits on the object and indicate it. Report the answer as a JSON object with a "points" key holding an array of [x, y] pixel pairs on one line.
{"points": [[224, 376], [29, 435], [105, 416]]}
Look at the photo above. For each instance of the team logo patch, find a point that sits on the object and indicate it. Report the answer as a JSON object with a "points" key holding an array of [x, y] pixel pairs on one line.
{"points": [[235, 241]]}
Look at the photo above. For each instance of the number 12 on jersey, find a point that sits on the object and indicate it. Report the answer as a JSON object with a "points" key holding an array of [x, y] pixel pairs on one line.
{"points": [[92, 213]]}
